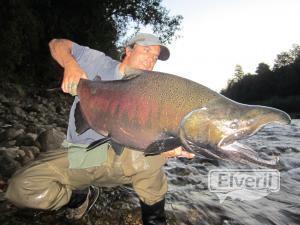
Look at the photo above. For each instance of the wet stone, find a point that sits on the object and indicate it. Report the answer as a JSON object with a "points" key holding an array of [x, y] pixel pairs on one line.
{"points": [[8, 166], [33, 149], [25, 139], [51, 139], [12, 133], [19, 111]]}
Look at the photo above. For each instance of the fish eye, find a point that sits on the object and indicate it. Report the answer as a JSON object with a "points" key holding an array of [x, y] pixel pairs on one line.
{"points": [[233, 125]]}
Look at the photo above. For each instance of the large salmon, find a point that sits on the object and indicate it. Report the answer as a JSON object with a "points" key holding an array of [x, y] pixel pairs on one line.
{"points": [[154, 112]]}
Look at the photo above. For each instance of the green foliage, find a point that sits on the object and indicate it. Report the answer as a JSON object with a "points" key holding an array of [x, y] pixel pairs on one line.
{"points": [[26, 27], [290, 103], [287, 58], [238, 73], [262, 69], [278, 87]]}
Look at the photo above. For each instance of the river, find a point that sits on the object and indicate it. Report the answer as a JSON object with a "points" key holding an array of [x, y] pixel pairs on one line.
{"points": [[189, 200]]}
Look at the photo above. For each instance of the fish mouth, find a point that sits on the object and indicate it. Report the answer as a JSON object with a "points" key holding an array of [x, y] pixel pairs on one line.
{"points": [[234, 151], [246, 155], [207, 151], [229, 139], [241, 134]]}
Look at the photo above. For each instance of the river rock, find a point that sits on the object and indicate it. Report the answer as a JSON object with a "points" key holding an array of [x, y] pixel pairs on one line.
{"points": [[25, 139], [33, 149], [13, 153], [18, 111], [50, 139], [3, 99], [11, 133], [8, 166]]}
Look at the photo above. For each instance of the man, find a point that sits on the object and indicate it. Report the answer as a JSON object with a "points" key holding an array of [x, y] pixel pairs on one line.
{"points": [[71, 178]]}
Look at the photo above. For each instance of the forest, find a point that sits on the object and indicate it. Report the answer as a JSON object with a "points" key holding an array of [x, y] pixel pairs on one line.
{"points": [[277, 87], [27, 26]]}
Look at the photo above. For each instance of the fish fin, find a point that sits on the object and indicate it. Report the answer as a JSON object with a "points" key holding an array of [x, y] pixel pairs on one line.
{"points": [[129, 77], [131, 73], [117, 147], [80, 123], [96, 143], [162, 145]]}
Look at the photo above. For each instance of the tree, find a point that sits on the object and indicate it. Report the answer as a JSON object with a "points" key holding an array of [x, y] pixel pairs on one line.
{"points": [[238, 73], [287, 58], [26, 27], [295, 51], [283, 59], [277, 88], [262, 69]]}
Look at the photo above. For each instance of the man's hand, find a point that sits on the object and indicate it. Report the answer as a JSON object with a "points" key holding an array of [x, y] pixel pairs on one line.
{"points": [[178, 152], [72, 75], [61, 51]]}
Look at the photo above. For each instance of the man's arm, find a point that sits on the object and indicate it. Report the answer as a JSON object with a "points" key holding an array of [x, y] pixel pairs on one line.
{"points": [[61, 51]]}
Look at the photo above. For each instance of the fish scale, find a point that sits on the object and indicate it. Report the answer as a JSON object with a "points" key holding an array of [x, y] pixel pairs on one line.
{"points": [[152, 112]]}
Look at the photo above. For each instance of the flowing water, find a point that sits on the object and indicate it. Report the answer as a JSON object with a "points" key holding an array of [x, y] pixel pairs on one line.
{"points": [[189, 200]]}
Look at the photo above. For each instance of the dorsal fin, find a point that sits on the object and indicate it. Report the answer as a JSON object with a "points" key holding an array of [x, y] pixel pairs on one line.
{"points": [[131, 73]]}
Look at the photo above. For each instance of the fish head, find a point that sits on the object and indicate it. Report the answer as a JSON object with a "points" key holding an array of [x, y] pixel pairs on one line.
{"points": [[211, 129], [242, 121]]}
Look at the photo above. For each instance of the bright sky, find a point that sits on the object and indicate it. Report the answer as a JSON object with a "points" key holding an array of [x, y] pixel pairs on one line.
{"points": [[218, 34]]}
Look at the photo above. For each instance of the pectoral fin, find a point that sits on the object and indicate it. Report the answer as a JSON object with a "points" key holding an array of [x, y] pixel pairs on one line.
{"points": [[80, 123], [162, 145], [117, 147]]}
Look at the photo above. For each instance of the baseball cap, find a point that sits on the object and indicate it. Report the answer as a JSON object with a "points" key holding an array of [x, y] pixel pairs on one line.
{"points": [[146, 39]]}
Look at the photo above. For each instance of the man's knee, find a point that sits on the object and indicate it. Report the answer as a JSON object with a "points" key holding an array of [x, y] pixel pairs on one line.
{"points": [[15, 191], [28, 192]]}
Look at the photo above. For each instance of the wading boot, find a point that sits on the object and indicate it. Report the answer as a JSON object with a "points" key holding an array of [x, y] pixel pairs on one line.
{"points": [[153, 214], [81, 202]]}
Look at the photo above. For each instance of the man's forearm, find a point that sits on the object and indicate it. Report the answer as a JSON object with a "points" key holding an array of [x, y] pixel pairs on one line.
{"points": [[61, 51]]}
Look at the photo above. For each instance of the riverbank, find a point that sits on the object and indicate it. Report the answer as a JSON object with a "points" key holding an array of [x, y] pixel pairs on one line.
{"points": [[35, 121]]}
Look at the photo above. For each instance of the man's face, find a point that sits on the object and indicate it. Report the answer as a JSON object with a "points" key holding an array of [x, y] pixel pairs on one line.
{"points": [[142, 57]]}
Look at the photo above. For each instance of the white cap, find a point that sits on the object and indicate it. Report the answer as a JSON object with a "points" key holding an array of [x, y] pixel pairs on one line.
{"points": [[145, 39]]}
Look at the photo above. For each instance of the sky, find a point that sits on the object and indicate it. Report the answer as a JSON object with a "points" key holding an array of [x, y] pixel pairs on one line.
{"points": [[216, 35]]}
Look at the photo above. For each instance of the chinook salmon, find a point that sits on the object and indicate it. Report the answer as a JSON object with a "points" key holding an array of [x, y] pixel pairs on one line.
{"points": [[155, 112]]}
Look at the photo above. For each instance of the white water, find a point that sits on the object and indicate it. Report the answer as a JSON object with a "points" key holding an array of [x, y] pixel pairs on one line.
{"points": [[190, 202]]}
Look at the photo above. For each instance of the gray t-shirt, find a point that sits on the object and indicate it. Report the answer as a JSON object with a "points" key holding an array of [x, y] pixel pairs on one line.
{"points": [[94, 63]]}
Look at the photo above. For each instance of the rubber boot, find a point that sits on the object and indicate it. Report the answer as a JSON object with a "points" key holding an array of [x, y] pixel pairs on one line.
{"points": [[81, 202], [78, 197], [153, 214]]}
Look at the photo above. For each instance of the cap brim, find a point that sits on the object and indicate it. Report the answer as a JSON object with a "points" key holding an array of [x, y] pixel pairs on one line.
{"points": [[164, 53]]}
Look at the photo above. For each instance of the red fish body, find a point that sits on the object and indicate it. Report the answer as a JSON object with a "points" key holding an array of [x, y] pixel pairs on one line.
{"points": [[139, 111], [154, 112]]}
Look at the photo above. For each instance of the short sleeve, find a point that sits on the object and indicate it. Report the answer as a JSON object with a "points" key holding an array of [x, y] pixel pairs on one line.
{"points": [[77, 51], [94, 62]]}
